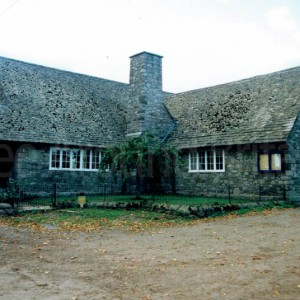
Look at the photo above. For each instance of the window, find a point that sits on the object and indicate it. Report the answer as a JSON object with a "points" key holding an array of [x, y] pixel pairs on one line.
{"points": [[96, 157], [65, 157], [207, 161], [75, 159], [86, 159], [270, 162], [193, 160], [55, 159]]}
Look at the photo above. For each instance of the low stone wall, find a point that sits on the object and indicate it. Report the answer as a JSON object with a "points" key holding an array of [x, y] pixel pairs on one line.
{"points": [[201, 211], [7, 210]]}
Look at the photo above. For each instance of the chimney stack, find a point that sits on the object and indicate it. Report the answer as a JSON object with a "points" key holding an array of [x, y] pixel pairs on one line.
{"points": [[145, 97]]}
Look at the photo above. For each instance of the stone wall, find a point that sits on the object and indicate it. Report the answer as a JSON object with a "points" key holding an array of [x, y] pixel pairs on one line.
{"points": [[294, 162], [32, 171], [241, 175], [7, 209], [145, 104]]}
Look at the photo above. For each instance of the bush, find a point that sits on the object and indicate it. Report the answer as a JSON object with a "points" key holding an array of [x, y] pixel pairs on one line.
{"points": [[66, 204]]}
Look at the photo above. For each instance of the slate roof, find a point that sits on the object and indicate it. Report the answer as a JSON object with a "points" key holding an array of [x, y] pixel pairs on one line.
{"points": [[261, 109], [45, 105]]}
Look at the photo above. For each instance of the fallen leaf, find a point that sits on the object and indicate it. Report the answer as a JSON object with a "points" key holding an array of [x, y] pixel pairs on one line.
{"points": [[42, 284], [255, 257]]}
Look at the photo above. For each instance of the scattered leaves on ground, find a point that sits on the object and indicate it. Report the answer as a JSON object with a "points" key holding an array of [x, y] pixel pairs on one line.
{"points": [[91, 220]]}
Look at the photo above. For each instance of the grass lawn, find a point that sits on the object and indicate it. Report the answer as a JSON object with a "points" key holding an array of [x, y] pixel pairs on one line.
{"points": [[91, 219], [159, 199]]}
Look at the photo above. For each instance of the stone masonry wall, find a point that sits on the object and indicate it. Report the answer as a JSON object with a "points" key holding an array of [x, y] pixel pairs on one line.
{"points": [[241, 175], [294, 162], [145, 104], [32, 171]]}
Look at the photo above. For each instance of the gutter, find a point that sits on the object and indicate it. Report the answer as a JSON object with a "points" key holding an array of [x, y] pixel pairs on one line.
{"points": [[168, 133], [171, 128]]}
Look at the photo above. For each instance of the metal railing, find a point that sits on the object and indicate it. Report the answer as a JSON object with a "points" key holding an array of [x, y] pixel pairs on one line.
{"points": [[59, 195]]}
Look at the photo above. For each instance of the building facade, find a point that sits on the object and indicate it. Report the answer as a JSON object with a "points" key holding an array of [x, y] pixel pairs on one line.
{"points": [[239, 137]]}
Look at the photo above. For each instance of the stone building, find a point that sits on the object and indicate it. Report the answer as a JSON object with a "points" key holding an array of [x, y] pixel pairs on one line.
{"points": [[242, 135]]}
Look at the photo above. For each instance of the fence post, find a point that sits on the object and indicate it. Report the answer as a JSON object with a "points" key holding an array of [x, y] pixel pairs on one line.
{"points": [[54, 203], [229, 195], [18, 194], [104, 191], [284, 192]]}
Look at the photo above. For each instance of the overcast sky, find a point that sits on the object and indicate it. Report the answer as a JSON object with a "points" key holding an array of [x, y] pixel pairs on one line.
{"points": [[203, 42]]}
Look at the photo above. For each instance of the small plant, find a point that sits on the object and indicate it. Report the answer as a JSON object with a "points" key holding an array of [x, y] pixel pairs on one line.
{"points": [[66, 204], [12, 192]]}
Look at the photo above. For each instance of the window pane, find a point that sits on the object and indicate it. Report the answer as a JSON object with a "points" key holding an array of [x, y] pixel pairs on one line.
{"points": [[219, 160], [95, 159], [193, 161], [86, 159], [264, 162], [202, 160], [66, 159], [75, 159], [210, 160], [276, 161], [55, 158]]}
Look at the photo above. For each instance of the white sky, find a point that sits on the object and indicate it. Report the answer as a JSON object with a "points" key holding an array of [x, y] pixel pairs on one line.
{"points": [[204, 42]]}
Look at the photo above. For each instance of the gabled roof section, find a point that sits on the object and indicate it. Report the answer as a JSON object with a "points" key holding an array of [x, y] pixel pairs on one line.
{"points": [[261, 109], [40, 104]]}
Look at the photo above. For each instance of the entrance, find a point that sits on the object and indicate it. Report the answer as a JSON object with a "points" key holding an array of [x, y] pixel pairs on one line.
{"points": [[7, 154]]}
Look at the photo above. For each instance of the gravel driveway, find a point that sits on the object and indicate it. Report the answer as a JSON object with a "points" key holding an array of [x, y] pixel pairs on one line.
{"points": [[248, 257]]}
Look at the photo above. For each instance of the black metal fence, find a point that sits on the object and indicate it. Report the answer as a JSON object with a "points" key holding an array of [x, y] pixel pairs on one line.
{"points": [[60, 195]]}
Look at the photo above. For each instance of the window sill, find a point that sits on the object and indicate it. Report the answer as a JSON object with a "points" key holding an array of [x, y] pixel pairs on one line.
{"points": [[74, 170], [271, 171], [207, 171]]}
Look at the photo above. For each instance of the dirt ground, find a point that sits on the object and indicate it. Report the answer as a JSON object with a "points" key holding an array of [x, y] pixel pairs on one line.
{"points": [[248, 257]]}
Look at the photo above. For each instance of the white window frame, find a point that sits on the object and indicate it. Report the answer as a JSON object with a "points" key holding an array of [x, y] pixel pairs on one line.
{"points": [[71, 155], [206, 170]]}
